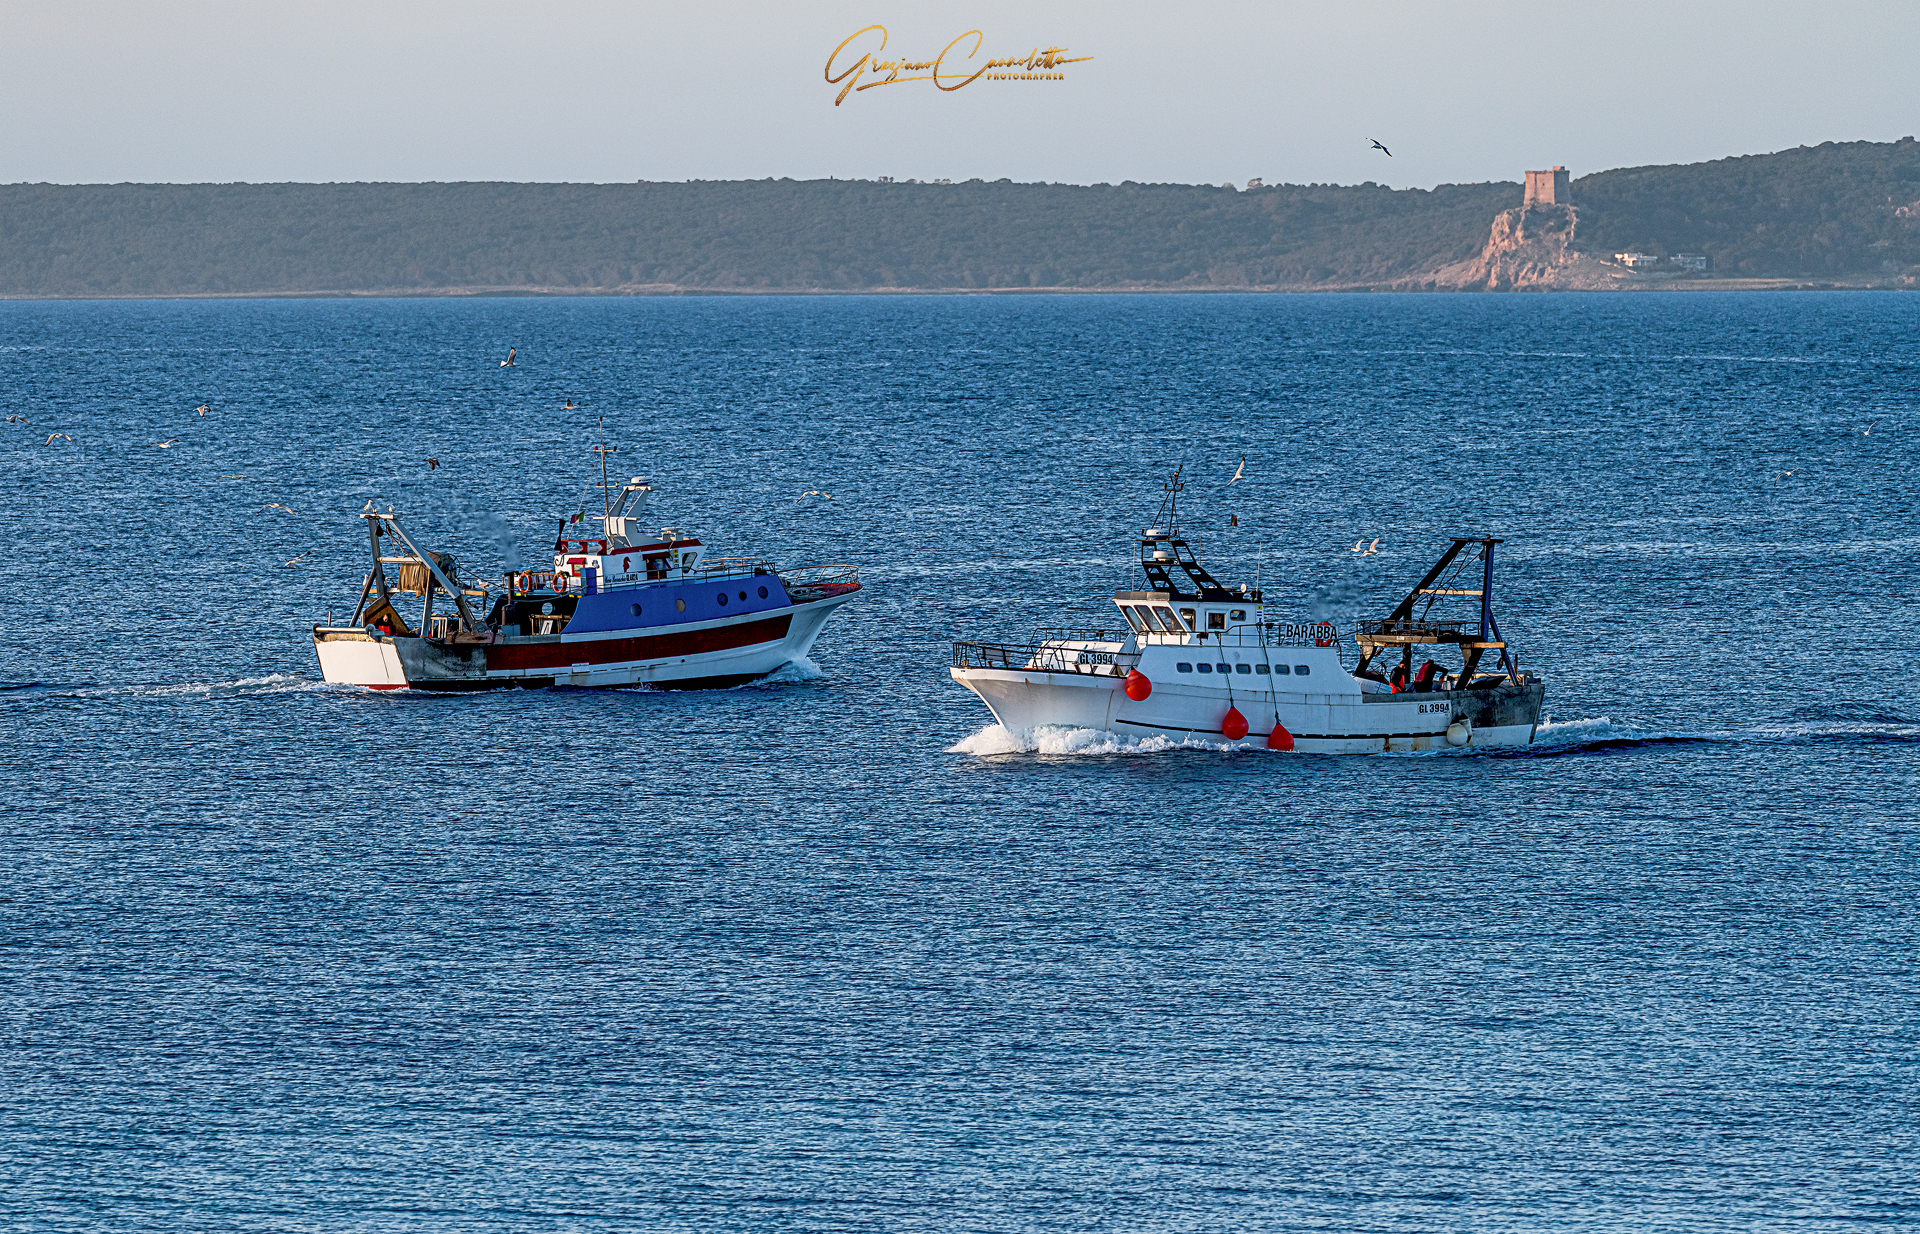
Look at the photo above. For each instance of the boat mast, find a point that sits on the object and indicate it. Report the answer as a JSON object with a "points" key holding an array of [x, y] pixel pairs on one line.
{"points": [[606, 501]]}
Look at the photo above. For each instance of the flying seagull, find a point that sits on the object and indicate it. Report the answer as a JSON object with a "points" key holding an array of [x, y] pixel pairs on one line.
{"points": [[1382, 149], [1868, 431], [203, 409], [570, 405], [18, 420], [511, 353], [167, 444], [814, 492], [1241, 472], [51, 436], [433, 464], [274, 505], [1369, 550], [1796, 471], [291, 560]]}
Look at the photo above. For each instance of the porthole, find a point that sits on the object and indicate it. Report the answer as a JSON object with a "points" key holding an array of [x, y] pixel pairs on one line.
{"points": [[547, 607], [1206, 668], [722, 597], [1243, 669], [763, 593], [1183, 667], [743, 597], [1281, 670], [679, 606], [1224, 667], [1260, 669], [1301, 670], [636, 610]]}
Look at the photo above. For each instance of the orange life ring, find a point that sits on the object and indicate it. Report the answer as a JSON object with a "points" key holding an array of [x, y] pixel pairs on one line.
{"points": [[560, 584]]}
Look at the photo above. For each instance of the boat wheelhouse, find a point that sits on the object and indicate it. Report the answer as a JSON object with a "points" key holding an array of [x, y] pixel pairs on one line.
{"points": [[622, 608], [1193, 659]]}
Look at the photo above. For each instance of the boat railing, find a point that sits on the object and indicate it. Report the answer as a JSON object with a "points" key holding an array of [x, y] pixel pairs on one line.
{"points": [[804, 583], [1045, 657], [731, 567], [1415, 628], [1083, 634]]}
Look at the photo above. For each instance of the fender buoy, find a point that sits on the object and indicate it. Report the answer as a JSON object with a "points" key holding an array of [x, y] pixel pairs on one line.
{"points": [[1459, 733], [1234, 726], [1279, 738], [1138, 687]]}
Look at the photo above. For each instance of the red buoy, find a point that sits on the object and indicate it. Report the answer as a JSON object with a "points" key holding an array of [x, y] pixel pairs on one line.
{"points": [[1279, 738], [1234, 726], [1138, 687]]}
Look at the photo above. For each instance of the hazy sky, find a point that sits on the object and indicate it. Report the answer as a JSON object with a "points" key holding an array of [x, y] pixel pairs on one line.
{"points": [[101, 90]]}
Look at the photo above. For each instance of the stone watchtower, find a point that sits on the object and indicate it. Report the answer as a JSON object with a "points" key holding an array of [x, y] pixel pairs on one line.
{"points": [[1548, 188]]}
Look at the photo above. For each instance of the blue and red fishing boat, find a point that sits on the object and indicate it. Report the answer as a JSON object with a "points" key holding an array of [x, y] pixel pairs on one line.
{"points": [[622, 608]]}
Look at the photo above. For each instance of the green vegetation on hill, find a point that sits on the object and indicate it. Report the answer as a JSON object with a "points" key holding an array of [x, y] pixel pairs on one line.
{"points": [[142, 239], [1825, 211]]}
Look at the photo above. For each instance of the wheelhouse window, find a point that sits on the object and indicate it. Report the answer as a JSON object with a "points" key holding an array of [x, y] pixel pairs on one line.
{"points": [[1167, 620], [1186, 615], [1134, 619], [1238, 614], [1216, 621]]}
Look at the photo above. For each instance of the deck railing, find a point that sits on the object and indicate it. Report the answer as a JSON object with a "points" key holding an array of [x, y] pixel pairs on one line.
{"points": [[528, 582], [1044, 657], [812, 582], [1083, 634], [1407, 627]]}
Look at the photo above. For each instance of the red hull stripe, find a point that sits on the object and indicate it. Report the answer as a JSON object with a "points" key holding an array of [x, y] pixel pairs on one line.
{"points": [[509, 657]]}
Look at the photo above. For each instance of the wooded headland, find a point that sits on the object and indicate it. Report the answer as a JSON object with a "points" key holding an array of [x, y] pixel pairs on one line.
{"points": [[1839, 212]]}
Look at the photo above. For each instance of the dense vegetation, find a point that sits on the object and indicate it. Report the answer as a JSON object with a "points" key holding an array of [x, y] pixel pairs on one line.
{"points": [[1819, 210], [1824, 211], [143, 239]]}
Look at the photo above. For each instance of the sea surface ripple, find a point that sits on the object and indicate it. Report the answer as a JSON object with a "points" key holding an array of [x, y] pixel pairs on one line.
{"points": [[835, 952]]}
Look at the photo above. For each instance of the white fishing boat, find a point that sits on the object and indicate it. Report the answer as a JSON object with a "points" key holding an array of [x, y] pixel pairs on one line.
{"points": [[623, 608], [1193, 660]]}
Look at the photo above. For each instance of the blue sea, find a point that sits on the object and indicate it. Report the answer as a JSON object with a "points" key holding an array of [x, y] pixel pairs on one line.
{"points": [[833, 952]]}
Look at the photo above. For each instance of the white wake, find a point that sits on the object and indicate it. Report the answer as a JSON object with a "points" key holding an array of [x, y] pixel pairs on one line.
{"points": [[1059, 739]]}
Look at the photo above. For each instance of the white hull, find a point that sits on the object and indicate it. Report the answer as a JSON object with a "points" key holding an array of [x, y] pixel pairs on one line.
{"points": [[1180, 708]]}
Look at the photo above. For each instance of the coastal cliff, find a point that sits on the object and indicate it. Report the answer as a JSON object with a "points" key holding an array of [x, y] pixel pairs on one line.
{"points": [[1530, 248]]}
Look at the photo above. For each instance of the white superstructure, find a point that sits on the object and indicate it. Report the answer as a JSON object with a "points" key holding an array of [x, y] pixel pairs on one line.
{"points": [[1192, 659]]}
